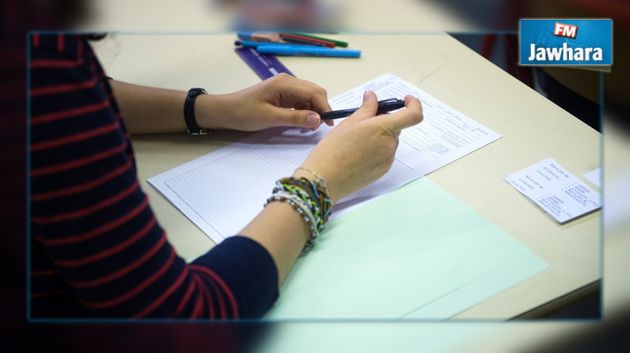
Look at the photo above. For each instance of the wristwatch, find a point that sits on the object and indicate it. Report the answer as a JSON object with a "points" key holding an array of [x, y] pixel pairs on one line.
{"points": [[189, 112]]}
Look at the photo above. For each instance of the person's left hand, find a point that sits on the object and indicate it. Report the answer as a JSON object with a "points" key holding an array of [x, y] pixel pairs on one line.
{"points": [[281, 100]]}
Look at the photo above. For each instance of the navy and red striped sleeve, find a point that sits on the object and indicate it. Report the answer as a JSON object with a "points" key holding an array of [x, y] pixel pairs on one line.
{"points": [[96, 247]]}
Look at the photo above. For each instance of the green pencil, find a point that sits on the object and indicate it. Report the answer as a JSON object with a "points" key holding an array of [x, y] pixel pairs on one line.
{"points": [[338, 43]]}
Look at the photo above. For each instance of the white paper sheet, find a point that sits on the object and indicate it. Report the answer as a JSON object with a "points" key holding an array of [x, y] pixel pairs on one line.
{"points": [[223, 190], [555, 190], [595, 177]]}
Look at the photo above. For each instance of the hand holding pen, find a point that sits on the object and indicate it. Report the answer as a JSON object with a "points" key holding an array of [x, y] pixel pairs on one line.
{"points": [[361, 148], [383, 106]]}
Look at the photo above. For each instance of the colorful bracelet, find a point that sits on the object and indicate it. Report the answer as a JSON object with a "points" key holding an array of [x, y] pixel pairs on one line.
{"points": [[309, 199], [313, 193], [302, 209]]}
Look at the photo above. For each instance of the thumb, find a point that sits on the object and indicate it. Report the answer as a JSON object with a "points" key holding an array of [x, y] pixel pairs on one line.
{"points": [[294, 117], [411, 115], [368, 108]]}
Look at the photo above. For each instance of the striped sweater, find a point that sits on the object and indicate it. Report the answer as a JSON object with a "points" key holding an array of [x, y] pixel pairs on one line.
{"points": [[96, 248]]}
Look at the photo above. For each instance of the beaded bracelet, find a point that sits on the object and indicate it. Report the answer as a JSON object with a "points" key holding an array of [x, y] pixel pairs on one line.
{"points": [[302, 209], [313, 193], [309, 199]]}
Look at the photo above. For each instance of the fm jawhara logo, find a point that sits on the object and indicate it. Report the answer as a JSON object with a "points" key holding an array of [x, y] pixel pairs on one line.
{"points": [[565, 42]]}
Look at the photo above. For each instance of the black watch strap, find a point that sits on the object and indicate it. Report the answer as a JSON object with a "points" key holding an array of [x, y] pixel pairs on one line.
{"points": [[189, 112]]}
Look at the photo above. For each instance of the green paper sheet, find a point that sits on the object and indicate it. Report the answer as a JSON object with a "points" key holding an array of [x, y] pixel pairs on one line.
{"points": [[417, 252]]}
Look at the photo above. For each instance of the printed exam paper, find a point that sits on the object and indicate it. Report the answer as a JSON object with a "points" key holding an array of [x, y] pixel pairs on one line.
{"points": [[224, 189]]}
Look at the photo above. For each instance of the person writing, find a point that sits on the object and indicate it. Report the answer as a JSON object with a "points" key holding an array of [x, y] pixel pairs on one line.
{"points": [[97, 249]]}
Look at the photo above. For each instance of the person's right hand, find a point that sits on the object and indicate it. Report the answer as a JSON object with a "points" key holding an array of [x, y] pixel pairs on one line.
{"points": [[360, 149]]}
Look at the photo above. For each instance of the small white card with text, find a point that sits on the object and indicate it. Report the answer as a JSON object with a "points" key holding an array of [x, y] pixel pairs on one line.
{"points": [[555, 190]]}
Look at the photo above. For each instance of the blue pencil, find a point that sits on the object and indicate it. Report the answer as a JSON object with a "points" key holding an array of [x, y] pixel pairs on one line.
{"points": [[307, 50]]}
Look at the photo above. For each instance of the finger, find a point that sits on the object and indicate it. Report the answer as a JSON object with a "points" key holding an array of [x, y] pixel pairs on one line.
{"points": [[301, 106], [319, 98], [368, 109], [293, 117], [326, 122], [295, 92], [411, 115]]}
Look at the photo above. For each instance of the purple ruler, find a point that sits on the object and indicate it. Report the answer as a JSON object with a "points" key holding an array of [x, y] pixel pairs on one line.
{"points": [[264, 65]]}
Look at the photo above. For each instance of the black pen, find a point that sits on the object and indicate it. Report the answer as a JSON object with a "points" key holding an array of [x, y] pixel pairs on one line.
{"points": [[384, 106]]}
